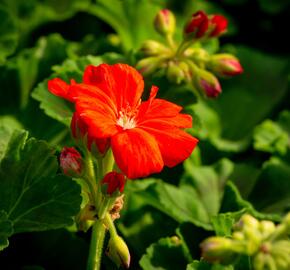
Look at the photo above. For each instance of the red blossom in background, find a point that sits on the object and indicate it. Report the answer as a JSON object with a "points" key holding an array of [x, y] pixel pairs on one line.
{"points": [[197, 25], [144, 136], [219, 25]]}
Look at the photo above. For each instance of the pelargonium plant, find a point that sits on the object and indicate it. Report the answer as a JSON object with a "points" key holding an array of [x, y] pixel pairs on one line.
{"points": [[158, 141]]}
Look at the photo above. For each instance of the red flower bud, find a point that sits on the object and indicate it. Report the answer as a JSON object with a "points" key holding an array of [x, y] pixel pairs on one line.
{"points": [[225, 65], [79, 131], [218, 25], [71, 162], [207, 83], [164, 22], [197, 26], [114, 182]]}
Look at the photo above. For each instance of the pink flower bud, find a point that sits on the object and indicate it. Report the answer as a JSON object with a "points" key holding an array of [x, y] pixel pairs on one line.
{"points": [[71, 162], [164, 22], [207, 83], [218, 25], [225, 65], [197, 26], [113, 182]]}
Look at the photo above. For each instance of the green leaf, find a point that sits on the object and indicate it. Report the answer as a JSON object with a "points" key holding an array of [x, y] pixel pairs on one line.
{"points": [[22, 72], [129, 14], [6, 229], [224, 121], [271, 193], [270, 137], [233, 202], [59, 108], [166, 254], [8, 34], [31, 14], [273, 6], [164, 197], [208, 182], [7, 125], [202, 265], [262, 85], [32, 195], [223, 224]]}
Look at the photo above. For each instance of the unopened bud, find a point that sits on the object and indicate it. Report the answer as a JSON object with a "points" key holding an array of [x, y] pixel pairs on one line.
{"points": [[174, 73], [148, 65], [266, 228], [80, 133], [196, 27], [164, 22], [113, 184], [118, 251], [225, 65], [216, 249], [71, 162], [152, 47], [207, 83], [217, 25]]}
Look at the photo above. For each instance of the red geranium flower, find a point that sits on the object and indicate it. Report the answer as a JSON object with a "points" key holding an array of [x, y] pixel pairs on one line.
{"points": [[144, 136]]}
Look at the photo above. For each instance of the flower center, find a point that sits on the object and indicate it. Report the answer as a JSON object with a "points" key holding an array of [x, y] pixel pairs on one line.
{"points": [[126, 118]]}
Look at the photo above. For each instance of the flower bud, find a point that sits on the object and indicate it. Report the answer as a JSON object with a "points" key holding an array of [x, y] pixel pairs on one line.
{"points": [[225, 65], [207, 83], [148, 65], [197, 26], [216, 249], [113, 184], [118, 251], [174, 73], [218, 25], [266, 228], [152, 47], [80, 133], [71, 162], [164, 22]]}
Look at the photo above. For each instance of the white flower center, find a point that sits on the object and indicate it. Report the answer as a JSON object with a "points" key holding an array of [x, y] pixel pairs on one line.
{"points": [[126, 121]]}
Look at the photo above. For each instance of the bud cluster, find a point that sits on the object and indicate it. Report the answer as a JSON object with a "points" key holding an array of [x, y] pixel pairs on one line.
{"points": [[267, 244], [186, 62]]}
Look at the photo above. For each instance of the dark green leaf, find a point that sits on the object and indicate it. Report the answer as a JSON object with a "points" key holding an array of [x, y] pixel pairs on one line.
{"points": [[262, 85], [271, 194], [202, 265], [6, 229], [7, 125], [208, 182], [8, 34], [33, 197], [129, 14], [166, 254], [181, 204]]}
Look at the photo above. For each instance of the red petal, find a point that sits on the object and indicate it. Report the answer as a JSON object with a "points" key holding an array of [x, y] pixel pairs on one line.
{"points": [[175, 145], [59, 88], [122, 83], [136, 153], [180, 121]]}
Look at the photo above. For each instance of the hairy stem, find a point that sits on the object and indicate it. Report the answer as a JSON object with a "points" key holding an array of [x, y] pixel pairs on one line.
{"points": [[96, 246]]}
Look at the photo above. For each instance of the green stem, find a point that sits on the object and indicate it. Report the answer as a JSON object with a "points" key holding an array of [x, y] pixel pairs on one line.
{"points": [[182, 47], [96, 246], [170, 41], [111, 226]]}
